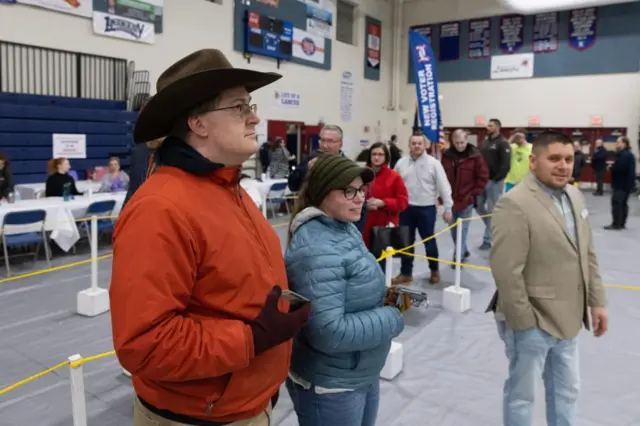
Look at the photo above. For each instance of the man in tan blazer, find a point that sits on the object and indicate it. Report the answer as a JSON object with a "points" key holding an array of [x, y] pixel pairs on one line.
{"points": [[546, 273]]}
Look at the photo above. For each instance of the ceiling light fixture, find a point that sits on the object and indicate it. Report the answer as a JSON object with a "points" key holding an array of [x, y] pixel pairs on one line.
{"points": [[531, 6]]}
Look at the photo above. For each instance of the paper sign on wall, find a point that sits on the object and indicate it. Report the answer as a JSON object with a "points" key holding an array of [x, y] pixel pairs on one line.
{"points": [[287, 99], [512, 66], [124, 28], [75, 7], [69, 146]]}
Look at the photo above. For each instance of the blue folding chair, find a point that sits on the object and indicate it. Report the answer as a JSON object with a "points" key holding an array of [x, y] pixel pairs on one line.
{"points": [[101, 209], [275, 197], [33, 220]]}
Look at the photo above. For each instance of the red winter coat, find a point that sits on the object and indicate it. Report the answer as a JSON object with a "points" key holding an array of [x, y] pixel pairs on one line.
{"points": [[388, 186], [467, 173]]}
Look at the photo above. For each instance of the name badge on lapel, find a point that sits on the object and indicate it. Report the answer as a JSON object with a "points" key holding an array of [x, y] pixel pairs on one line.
{"points": [[585, 213]]}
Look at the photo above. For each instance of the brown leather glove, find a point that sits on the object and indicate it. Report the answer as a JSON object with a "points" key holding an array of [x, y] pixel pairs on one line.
{"points": [[272, 327]]}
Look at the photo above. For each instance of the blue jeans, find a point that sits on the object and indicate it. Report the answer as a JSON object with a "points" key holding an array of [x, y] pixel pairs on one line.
{"points": [[463, 214], [422, 219], [486, 201], [354, 408], [533, 353]]}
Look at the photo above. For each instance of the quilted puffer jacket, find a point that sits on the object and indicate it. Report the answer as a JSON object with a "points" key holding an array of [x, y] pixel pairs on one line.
{"points": [[348, 335]]}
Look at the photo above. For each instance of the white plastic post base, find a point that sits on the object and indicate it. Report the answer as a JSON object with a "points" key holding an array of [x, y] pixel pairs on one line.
{"points": [[456, 299], [393, 365], [93, 301]]}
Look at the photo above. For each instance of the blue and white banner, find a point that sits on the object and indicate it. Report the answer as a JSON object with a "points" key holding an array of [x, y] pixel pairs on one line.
{"points": [[511, 33], [450, 41], [583, 26], [426, 78], [7, 1], [545, 32], [479, 38]]}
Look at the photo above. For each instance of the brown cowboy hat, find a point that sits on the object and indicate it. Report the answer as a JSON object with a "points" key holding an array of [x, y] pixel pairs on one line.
{"points": [[194, 79]]}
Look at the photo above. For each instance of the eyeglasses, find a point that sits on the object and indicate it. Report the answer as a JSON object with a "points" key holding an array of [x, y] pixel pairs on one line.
{"points": [[350, 192], [242, 109]]}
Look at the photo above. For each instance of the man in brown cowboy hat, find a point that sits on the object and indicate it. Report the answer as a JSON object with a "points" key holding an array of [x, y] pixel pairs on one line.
{"points": [[197, 270]]}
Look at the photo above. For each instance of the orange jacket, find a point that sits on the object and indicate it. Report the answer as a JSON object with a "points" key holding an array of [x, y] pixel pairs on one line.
{"points": [[193, 261]]}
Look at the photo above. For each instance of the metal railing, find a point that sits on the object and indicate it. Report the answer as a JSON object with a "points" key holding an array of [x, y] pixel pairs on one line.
{"points": [[44, 71]]}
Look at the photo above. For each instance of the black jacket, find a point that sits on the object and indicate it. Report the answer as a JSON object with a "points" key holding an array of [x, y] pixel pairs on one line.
{"points": [[623, 171], [580, 160], [6, 181], [599, 159], [140, 156], [497, 155]]}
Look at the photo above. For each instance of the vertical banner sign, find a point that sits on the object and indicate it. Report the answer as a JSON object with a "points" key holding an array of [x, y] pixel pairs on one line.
{"points": [[545, 32], [346, 96], [373, 35], [450, 41], [511, 33], [426, 78], [583, 25], [479, 38]]}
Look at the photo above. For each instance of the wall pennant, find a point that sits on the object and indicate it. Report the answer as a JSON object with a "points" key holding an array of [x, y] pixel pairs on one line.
{"points": [[583, 26], [449, 35], [372, 49], [479, 38], [545, 32]]}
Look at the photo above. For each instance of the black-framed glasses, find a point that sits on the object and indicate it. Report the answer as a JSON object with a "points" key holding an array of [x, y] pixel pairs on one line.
{"points": [[242, 109], [350, 192]]}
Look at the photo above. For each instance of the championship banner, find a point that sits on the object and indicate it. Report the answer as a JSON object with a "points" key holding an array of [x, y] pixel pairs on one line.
{"points": [[583, 25], [479, 38], [511, 37], [450, 41], [426, 80], [545, 32]]}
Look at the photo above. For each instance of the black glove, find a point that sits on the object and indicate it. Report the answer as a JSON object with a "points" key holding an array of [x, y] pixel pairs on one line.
{"points": [[272, 327]]}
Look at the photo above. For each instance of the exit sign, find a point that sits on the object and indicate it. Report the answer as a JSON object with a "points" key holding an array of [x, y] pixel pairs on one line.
{"points": [[596, 121], [534, 121]]}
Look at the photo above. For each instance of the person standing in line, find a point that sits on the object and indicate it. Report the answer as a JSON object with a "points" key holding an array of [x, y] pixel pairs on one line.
{"points": [[395, 153], [468, 175], [425, 180], [496, 152], [599, 166], [542, 303], [205, 334], [579, 162], [520, 152], [623, 183]]}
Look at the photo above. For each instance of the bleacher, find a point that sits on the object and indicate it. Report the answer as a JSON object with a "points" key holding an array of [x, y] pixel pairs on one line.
{"points": [[27, 123], [69, 92]]}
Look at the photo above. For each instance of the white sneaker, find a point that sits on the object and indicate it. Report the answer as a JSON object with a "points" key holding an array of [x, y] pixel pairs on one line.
{"points": [[126, 373]]}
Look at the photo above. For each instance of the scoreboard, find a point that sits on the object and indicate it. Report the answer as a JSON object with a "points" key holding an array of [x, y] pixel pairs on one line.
{"points": [[268, 36]]}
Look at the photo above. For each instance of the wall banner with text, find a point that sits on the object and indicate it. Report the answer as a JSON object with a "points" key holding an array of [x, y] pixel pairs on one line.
{"points": [[150, 11], [511, 33], [123, 28], [583, 28], [424, 30], [545, 32], [479, 38], [372, 49], [82, 8], [426, 81], [449, 35]]}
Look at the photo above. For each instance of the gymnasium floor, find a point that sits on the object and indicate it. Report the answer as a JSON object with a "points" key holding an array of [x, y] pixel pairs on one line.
{"points": [[454, 363]]}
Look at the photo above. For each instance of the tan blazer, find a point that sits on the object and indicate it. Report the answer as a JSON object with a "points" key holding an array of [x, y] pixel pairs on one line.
{"points": [[541, 275]]}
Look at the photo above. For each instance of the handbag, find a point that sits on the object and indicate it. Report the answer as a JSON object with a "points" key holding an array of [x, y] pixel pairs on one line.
{"points": [[382, 237]]}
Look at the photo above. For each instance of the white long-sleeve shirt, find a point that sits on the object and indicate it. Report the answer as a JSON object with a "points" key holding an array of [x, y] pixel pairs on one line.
{"points": [[425, 180]]}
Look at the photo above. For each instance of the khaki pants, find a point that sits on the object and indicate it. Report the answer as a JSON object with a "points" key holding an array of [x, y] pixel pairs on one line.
{"points": [[144, 417]]}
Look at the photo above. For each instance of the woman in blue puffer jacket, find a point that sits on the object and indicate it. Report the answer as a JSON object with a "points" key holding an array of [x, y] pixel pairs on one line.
{"points": [[337, 358]]}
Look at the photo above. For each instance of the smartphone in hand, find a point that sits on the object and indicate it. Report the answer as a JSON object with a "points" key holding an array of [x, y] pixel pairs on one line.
{"points": [[295, 300]]}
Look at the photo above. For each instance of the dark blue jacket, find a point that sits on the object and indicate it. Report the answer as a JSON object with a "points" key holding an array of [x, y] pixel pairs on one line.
{"points": [[623, 171], [599, 159]]}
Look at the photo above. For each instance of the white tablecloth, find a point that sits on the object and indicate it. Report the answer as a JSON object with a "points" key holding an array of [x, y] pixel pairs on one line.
{"points": [[61, 215], [259, 190], [29, 191]]}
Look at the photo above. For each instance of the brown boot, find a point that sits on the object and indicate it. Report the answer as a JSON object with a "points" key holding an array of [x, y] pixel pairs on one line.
{"points": [[435, 277], [401, 279]]}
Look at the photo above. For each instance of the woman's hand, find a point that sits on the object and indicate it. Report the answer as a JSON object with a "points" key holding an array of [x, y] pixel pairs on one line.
{"points": [[375, 204]]}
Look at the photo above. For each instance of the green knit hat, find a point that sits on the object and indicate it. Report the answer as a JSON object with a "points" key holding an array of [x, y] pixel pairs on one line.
{"points": [[333, 172]]}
